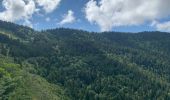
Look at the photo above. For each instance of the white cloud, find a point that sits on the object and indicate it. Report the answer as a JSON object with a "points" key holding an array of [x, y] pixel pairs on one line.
{"points": [[68, 18], [113, 13], [15, 11], [163, 26], [48, 5]]}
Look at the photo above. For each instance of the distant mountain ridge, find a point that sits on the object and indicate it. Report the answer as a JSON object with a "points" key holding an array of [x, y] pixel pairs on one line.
{"points": [[69, 64]]}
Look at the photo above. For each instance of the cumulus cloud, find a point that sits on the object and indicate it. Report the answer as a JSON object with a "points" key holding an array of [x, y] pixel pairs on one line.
{"points": [[114, 13], [16, 10], [48, 5], [68, 18], [165, 26]]}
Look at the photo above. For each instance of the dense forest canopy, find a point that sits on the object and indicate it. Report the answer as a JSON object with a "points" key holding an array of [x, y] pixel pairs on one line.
{"points": [[68, 64]]}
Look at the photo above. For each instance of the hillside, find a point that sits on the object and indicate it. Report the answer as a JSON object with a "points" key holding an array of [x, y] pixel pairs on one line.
{"points": [[80, 65], [19, 83]]}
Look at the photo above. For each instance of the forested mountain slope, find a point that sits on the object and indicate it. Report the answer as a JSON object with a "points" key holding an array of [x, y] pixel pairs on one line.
{"points": [[79, 65]]}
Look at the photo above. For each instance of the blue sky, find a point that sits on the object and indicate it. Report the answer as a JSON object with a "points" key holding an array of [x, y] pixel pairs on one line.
{"points": [[90, 15], [75, 5]]}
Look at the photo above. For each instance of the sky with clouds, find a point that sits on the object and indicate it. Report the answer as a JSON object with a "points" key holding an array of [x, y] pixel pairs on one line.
{"points": [[90, 15]]}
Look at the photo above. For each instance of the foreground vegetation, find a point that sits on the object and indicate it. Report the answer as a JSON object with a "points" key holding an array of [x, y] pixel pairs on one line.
{"points": [[18, 83]]}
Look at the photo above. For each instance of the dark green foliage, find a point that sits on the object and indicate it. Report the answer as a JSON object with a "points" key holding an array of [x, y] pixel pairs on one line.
{"points": [[84, 65]]}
